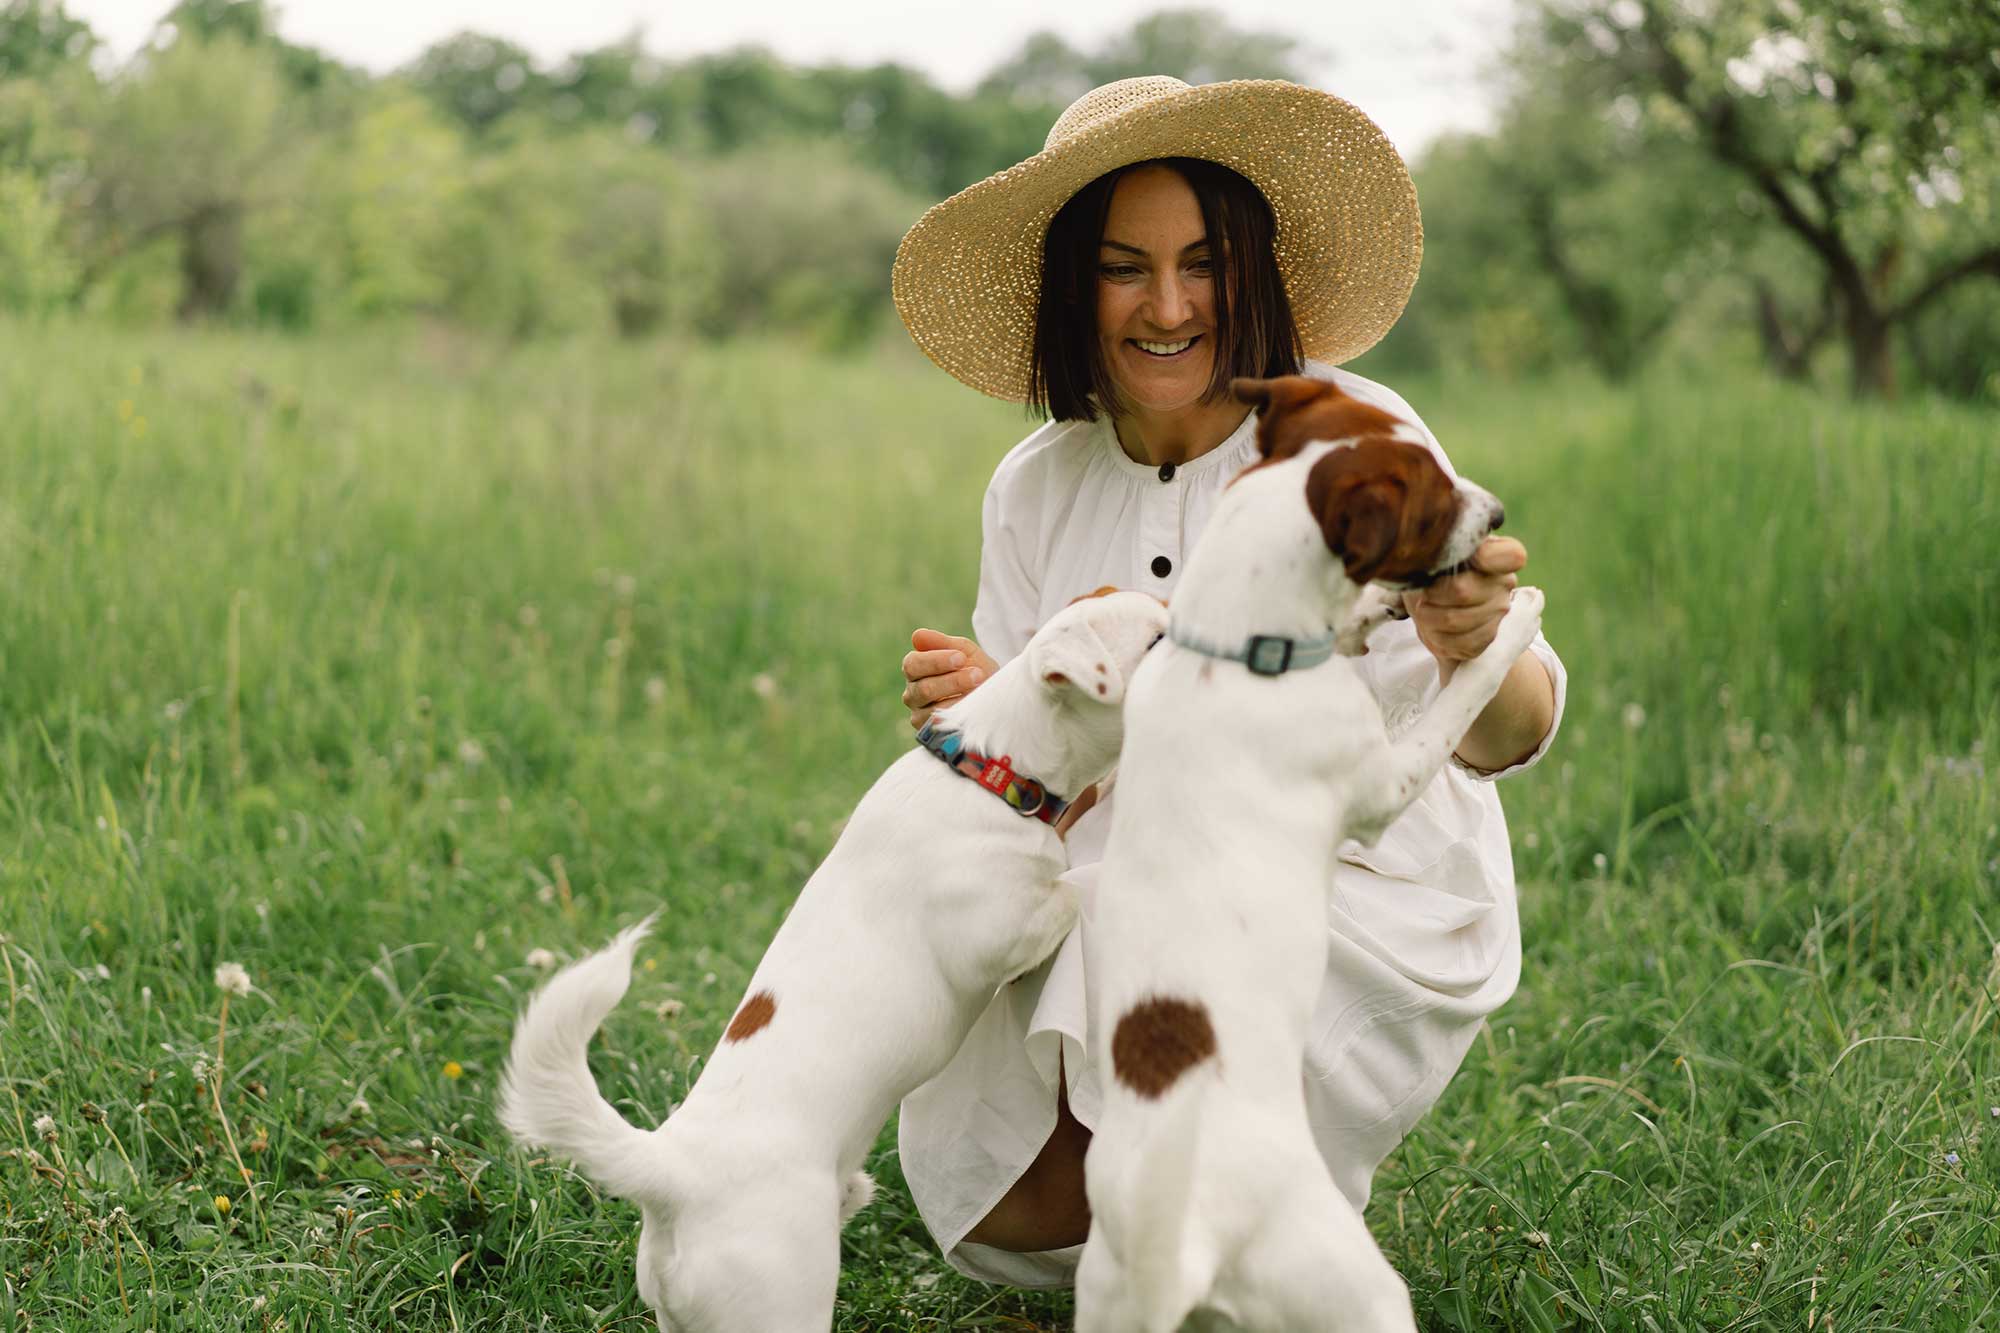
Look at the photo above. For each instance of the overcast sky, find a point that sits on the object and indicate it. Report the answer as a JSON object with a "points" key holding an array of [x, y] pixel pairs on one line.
{"points": [[1415, 66]]}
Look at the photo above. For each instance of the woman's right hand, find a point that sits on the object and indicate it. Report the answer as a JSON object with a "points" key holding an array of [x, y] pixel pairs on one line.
{"points": [[941, 669]]}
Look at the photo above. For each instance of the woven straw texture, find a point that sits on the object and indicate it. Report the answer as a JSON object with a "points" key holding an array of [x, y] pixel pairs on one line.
{"points": [[1349, 238]]}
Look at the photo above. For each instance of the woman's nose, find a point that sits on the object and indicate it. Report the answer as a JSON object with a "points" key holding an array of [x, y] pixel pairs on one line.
{"points": [[1170, 302]]}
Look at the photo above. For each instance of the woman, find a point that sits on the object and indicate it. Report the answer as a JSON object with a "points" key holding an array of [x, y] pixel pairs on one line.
{"points": [[1166, 240]]}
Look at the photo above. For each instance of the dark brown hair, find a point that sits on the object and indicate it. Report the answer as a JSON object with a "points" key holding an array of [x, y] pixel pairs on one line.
{"points": [[1255, 333]]}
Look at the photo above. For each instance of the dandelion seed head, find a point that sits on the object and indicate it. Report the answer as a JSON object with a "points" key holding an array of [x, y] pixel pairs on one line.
{"points": [[1634, 716], [764, 685], [541, 958], [471, 753], [1601, 862], [656, 690], [232, 978], [45, 1126], [359, 1108]]}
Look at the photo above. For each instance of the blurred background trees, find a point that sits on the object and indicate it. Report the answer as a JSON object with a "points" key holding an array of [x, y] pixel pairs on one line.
{"points": [[1805, 184]]}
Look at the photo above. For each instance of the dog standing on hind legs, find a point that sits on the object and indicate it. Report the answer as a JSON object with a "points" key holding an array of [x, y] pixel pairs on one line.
{"points": [[943, 885], [1252, 750]]}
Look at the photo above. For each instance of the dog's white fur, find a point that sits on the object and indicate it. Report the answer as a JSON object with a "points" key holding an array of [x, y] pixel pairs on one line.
{"points": [[1211, 1203], [936, 893]]}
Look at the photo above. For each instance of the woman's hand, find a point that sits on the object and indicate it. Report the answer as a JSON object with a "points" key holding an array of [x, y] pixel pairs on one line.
{"points": [[1457, 617], [941, 669]]}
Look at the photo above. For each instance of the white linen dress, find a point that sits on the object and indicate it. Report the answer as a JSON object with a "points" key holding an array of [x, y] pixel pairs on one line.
{"points": [[1425, 936]]}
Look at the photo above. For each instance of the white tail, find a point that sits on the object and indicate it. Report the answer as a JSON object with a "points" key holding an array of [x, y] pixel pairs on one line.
{"points": [[548, 1098]]}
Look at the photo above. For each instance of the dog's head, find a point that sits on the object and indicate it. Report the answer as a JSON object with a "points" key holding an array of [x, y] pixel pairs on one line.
{"points": [[743, 1251], [1385, 506], [1088, 650]]}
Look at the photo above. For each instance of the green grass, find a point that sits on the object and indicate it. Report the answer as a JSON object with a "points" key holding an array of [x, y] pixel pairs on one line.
{"points": [[377, 663]]}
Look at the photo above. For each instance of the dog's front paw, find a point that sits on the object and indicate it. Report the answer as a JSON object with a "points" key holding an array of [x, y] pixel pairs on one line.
{"points": [[1520, 625]]}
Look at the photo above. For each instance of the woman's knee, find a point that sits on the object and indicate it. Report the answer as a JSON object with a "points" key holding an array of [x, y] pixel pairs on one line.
{"points": [[1047, 1208]]}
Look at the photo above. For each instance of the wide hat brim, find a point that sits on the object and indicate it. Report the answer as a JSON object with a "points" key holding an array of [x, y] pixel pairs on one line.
{"points": [[1349, 238]]}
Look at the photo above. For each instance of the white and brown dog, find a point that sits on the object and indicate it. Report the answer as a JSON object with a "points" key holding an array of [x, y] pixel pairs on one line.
{"points": [[937, 892], [1206, 944]]}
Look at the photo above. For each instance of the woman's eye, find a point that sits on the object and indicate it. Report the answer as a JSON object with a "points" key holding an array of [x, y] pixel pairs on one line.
{"points": [[1118, 270]]}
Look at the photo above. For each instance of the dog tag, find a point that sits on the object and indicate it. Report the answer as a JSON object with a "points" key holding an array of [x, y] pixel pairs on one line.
{"points": [[997, 774]]}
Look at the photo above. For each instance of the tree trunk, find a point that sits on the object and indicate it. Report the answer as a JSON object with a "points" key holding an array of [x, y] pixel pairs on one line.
{"points": [[211, 260], [1870, 354]]}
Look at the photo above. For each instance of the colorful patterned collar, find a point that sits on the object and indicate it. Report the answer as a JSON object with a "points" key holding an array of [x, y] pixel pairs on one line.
{"points": [[1266, 654], [1027, 796]]}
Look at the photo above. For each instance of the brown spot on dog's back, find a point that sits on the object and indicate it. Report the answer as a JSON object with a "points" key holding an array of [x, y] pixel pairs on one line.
{"points": [[753, 1017], [1159, 1039]]}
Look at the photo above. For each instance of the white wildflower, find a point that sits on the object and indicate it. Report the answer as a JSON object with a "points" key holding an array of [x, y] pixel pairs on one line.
{"points": [[541, 958], [667, 1009], [764, 685], [45, 1125], [1601, 861], [471, 753], [1635, 716], [359, 1109], [232, 978], [200, 1070], [656, 691]]}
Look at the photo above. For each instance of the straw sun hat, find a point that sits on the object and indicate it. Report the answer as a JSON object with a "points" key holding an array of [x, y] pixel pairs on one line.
{"points": [[1348, 240]]}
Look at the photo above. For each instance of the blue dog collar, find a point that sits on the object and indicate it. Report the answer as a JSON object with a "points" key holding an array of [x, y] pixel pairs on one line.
{"points": [[1266, 654]]}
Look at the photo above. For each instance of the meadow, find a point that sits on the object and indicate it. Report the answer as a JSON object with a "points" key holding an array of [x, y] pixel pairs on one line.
{"points": [[390, 667]]}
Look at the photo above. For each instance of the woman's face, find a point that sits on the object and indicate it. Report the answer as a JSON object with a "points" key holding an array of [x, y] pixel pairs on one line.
{"points": [[1156, 286]]}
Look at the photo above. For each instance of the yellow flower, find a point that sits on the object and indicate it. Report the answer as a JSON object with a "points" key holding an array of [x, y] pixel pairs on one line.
{"points": [[139, 427], [125, 409], [453, 1069], [222, 1203]]}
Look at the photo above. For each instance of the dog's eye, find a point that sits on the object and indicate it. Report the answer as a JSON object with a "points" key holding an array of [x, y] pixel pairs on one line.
{"points": [[1156, 640]]}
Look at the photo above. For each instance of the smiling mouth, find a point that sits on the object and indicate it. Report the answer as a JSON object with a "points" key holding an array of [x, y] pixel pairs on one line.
{"points": [[1165, 351]]}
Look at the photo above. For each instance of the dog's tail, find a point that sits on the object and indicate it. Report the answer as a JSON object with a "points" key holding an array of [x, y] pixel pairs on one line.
{"points": [[548, 1098], [1167, 1280]]}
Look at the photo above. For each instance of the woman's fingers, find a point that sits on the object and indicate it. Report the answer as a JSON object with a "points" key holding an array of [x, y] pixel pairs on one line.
{"points": [[1500, 555], [916, 666], [933, 691]]}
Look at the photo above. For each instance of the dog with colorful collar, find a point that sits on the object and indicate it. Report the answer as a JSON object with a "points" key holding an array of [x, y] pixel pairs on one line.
{"points": [[943, 886]]}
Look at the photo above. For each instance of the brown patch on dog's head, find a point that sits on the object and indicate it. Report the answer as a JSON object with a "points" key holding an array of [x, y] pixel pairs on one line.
{"points": [[1384, 507], [1159, 1039], [753, 1017], [1104, 591]]}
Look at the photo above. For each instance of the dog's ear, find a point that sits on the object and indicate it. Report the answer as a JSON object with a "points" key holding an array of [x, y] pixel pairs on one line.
{"points": [[1273, 398], [1360, 516], [1071, 656]]}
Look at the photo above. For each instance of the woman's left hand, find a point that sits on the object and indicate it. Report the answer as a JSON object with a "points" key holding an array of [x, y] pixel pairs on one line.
{"points": [[1458, 616]]}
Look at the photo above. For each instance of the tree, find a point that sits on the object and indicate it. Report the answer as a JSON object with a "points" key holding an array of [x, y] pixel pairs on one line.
{"points": [[1868, 131], [38, 36], [1194, 45], [190, 140], [477, 79]]}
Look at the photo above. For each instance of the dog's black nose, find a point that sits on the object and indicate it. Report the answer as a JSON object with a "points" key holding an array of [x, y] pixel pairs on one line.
{"points": [[1499, 517]]}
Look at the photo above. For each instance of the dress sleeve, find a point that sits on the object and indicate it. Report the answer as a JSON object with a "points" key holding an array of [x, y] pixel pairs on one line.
{"points": [[1006, 612]]}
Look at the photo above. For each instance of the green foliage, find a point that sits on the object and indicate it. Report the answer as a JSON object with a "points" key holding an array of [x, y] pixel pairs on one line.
{"points": [[38, 37], [36, 273], [777, 264], [374, 663]]}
